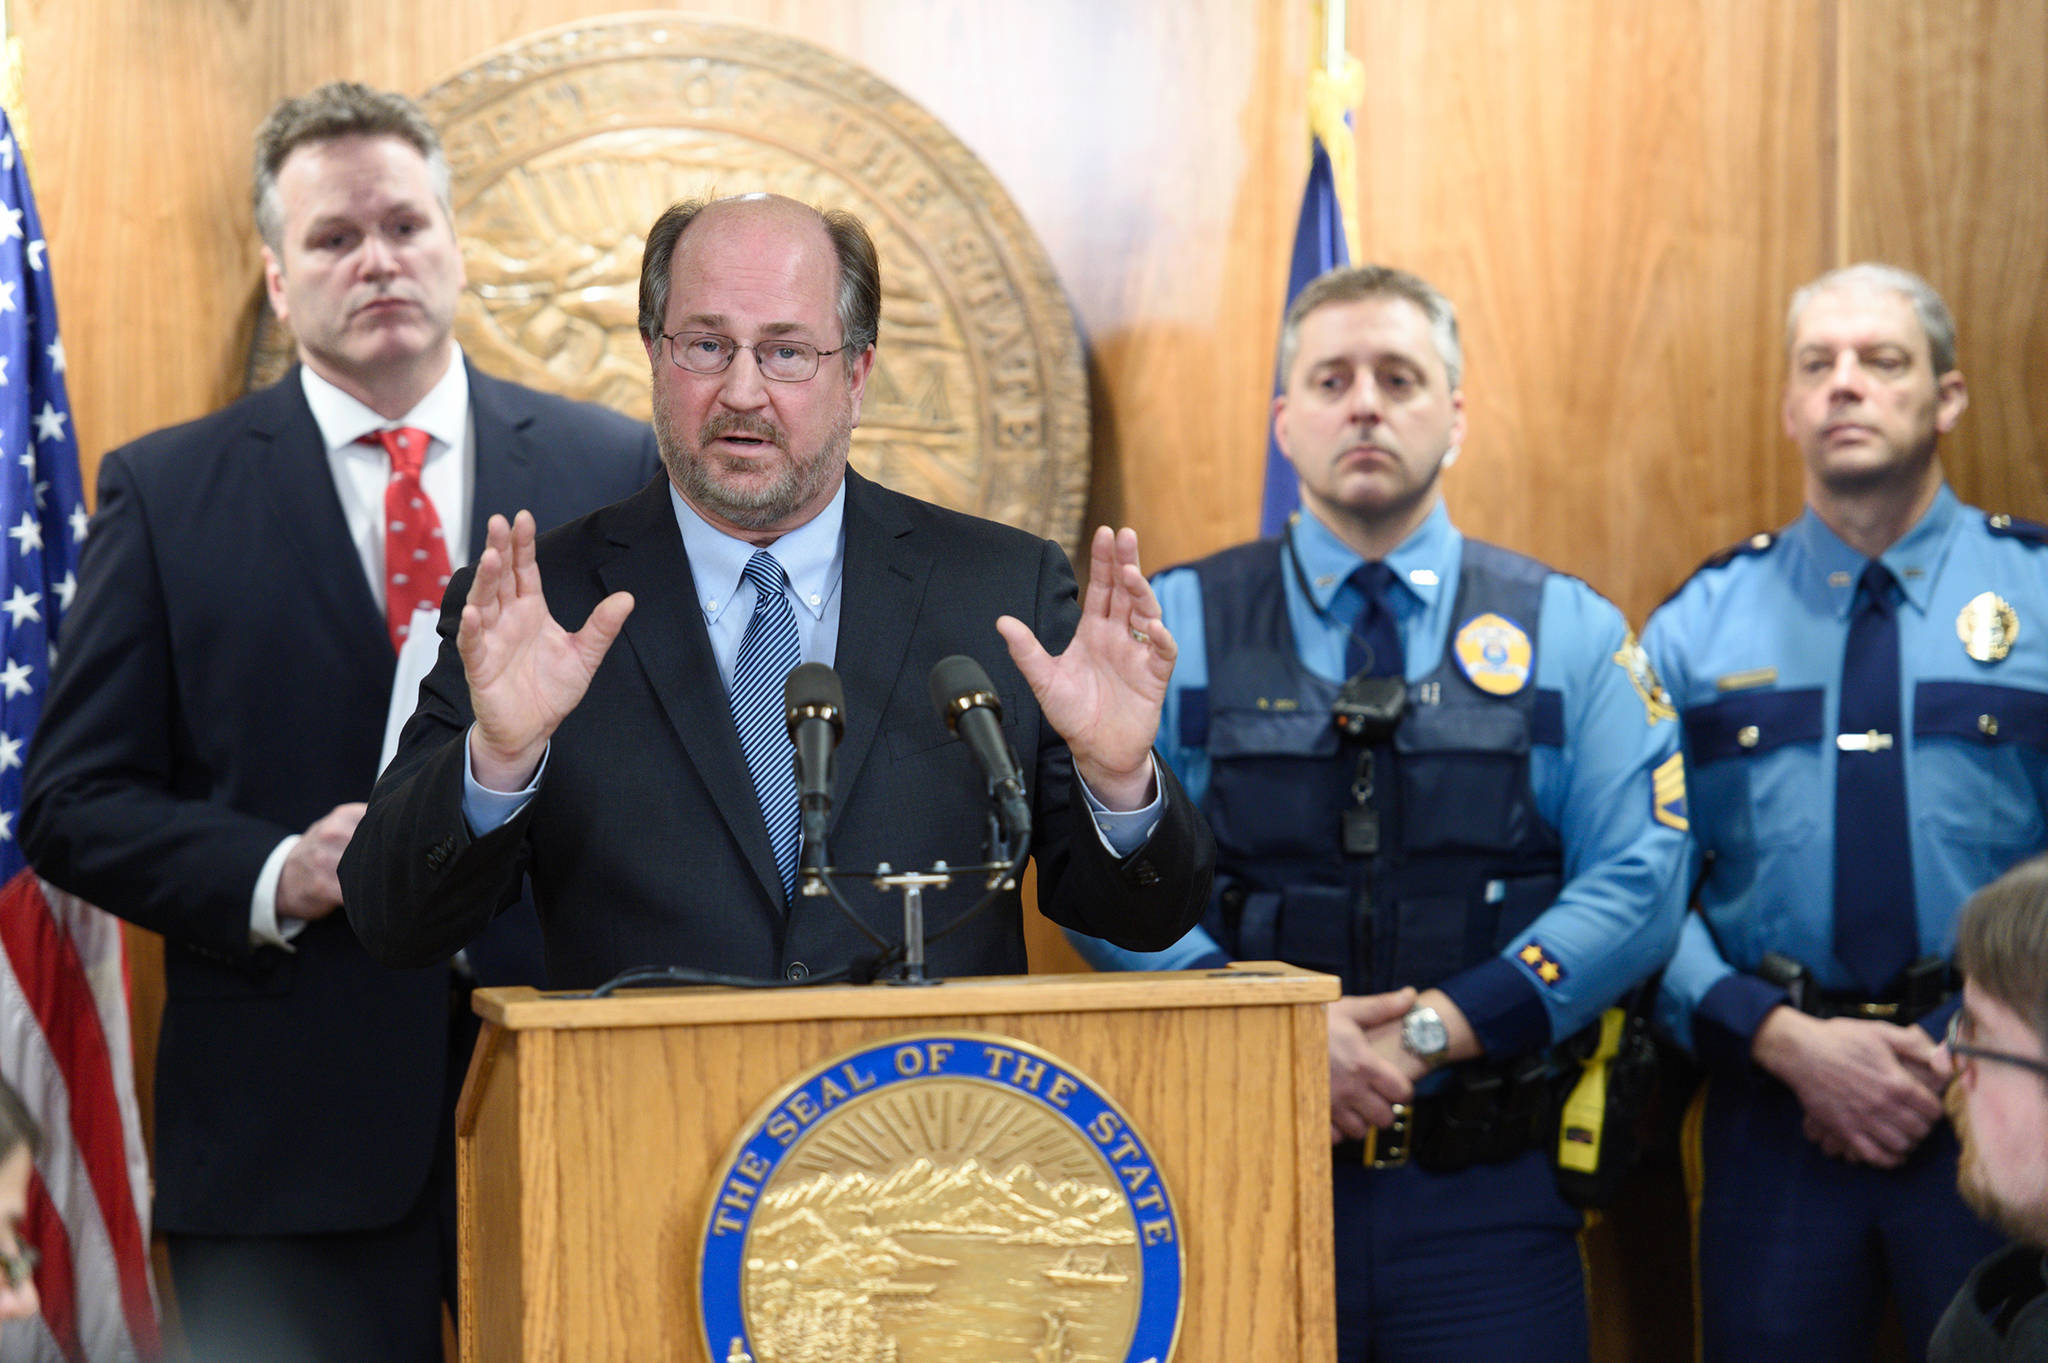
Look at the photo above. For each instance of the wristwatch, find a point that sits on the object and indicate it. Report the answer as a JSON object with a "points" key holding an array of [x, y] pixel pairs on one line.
{"points": [[1424, 1036]]}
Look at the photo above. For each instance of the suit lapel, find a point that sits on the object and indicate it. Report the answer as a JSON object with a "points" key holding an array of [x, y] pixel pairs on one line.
{"points": [[290, 462], [884, 584], [506, 464], [666, 632]]}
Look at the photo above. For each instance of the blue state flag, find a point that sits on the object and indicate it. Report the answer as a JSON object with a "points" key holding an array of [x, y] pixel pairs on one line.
{"points": [[1321, 239], [42, 496]]}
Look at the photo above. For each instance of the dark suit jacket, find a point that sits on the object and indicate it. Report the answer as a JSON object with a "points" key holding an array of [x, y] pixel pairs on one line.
{"points": [[221, 683], [645, 842]]}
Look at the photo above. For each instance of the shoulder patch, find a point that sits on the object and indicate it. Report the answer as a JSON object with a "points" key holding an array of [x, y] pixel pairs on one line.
{"points": [[2016, 528]]}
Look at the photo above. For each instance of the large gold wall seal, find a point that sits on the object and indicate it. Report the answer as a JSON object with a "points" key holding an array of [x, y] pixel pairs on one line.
{"points": [[567, 145]]}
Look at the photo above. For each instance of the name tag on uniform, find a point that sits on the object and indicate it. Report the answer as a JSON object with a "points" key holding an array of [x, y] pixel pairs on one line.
{"points": [[1744, 681]]}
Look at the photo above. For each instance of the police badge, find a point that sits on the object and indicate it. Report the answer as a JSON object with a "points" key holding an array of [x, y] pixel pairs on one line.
{"points": [[1988, 627], [936, 1197], [1494, 654], [1633, 660]]}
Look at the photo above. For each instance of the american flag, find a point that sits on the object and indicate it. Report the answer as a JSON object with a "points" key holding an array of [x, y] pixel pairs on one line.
{"points": [[64, 1041]]}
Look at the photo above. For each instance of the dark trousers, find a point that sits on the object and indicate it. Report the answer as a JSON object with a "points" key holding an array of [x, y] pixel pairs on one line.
{"points": [[343, 1297], [1480, 1265], [1797, 1250]]}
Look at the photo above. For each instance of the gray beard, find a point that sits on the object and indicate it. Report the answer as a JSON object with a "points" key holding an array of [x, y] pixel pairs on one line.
{"points": [[801, 480]]}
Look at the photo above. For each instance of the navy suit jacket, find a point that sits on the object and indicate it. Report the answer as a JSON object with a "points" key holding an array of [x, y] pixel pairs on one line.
{"points": [[645, 842], [222, 682]]}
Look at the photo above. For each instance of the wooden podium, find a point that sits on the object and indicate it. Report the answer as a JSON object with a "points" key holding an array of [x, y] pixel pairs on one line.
{"points": [[592, 1135]]}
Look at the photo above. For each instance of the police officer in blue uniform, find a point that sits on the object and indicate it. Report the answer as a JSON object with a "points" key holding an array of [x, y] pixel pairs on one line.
{"points": [[1431, 765], [1864, 698]]}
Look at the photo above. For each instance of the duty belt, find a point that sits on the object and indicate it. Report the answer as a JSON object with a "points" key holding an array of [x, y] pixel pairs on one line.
{"points": [[1487, 1115], [1925, 986]]}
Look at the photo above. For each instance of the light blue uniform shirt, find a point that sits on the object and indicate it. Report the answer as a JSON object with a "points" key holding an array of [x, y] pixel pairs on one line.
{"points": [[1615, 919], [1755, 643]]}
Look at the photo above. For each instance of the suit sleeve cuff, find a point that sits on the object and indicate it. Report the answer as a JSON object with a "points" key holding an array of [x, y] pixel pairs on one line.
{"points": [[1725, 1022], [489, 810], [1122, 833], [1503, 1006]]}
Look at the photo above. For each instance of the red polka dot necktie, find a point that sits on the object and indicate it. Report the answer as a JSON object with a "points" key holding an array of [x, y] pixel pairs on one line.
{"points": [[415, 551]]}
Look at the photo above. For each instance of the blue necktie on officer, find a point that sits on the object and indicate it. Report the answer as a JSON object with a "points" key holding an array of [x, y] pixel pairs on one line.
{"points": [[1374, 647], [1876, 935], [769, 652]]}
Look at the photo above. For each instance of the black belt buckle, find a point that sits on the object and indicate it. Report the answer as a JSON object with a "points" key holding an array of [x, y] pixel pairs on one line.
{"points": [[1387, 1147]]}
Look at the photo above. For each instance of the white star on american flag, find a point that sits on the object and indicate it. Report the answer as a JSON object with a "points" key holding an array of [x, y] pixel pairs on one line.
{"points": [[3, 370], [6, 826], [29, 534], [50, 423], [14, 680], [79, 522], [7, 152], [10, 752], [65, 590], [22, 606], [7, 296], [55, 350], [10, 224], [35, 255]]}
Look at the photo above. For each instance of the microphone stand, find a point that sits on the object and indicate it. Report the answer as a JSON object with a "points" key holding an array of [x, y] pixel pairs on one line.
{"points": [[1001, 875]]}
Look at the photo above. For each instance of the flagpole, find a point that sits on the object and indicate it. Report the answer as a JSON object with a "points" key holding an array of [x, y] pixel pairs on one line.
{"points": [[1333, 14]]}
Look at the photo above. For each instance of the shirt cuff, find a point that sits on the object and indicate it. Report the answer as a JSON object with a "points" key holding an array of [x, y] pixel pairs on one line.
{"points": [[1725, 1021], [489, 810], [265, 928], [1503, 1006], [1935, 1021], [1122, 832]]}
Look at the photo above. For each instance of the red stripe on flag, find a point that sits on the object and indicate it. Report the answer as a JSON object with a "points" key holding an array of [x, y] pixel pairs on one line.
{"points": [[53, 980], [55, 1282]]}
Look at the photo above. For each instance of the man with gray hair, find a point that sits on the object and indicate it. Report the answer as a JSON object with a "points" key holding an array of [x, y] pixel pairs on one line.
{"points": [[214, 726], [1865, 706], [1431, 765], [1998, 1100]]}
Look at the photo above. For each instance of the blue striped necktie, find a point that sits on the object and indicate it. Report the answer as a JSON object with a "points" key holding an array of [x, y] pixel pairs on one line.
{"points": [[768, 653], [1876, 935]]}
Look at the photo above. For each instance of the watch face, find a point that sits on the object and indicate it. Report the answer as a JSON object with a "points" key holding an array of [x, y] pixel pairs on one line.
{"points": [[1423, 1032]]}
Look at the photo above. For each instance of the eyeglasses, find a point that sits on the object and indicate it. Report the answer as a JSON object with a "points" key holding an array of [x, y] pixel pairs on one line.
{"points": [[707, 352], [1958, 1043], [19, 1266]]}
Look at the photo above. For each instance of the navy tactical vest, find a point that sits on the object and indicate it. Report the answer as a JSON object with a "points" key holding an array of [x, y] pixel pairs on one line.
{"points": [[1465, 860]]}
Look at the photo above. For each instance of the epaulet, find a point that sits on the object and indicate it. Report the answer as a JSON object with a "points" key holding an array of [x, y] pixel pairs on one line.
{"points": [[1759, 543], [2014, 528]]}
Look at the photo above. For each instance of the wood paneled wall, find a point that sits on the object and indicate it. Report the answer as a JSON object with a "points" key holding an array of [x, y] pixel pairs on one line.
{"points": [[1618, 194]]}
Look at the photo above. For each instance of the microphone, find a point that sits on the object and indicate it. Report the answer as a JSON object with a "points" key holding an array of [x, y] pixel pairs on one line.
{"points": [[966, 700], [814, 705]]}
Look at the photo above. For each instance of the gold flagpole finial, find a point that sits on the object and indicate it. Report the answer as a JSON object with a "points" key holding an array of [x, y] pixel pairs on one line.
{"points": [[10, 78], [1334, 90]]}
